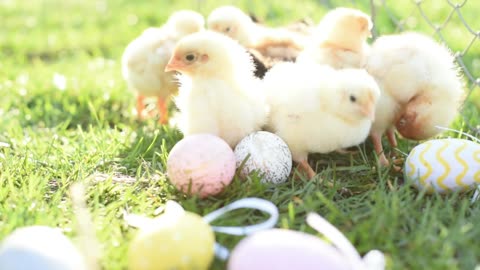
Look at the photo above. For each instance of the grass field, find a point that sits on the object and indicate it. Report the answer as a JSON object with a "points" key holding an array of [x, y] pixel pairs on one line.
{"points": [[67, 116]]}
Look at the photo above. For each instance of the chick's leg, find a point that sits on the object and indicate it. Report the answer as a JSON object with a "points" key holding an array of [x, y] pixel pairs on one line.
{"points": [[162, 110], [391, 137], [393, 143], [377, 144], [140, 106], [304, 167]]}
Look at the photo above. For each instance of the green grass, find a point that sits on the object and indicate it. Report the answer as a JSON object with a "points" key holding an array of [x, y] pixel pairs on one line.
{"points": [[87, 132]]}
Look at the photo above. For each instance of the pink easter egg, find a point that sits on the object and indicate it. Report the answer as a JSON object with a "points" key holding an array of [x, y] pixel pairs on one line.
{"points": [[201, 164], [282, 249]]}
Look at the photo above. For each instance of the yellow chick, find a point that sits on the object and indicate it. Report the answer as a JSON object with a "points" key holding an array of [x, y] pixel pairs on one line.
{"points": [[145, 58], [316, 108], [275, 43], [340, 39], [420, 85], [218, 91]]}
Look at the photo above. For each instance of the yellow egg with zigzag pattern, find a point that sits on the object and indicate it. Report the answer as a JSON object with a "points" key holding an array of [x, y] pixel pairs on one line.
{"points": [[444, 165]]}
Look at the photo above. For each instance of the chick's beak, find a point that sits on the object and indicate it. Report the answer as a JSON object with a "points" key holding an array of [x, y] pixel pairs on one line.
{"points": [[174, 64]]}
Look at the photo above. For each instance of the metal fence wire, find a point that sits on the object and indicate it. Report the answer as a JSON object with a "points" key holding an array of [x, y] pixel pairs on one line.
{"points": [[455, 14], [467, 53]]}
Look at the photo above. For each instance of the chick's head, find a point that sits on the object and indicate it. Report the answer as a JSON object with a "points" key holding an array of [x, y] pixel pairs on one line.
{"points": [[345, 27], [232, 22], [210, 55], [186, 22], [358, 95]]}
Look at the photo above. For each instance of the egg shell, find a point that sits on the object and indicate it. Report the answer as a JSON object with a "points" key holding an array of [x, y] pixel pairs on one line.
{"points": [[179, 242], [203, 163], [269, 155], [282, 249], [39, 248], [444, 165]]}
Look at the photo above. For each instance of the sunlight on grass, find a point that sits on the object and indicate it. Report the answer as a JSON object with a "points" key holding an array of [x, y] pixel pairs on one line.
{"points": [[67, 116]]}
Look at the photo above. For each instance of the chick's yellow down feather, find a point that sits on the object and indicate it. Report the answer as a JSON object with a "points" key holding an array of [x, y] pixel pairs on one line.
{"points": [[340, 39], [218, 91], [316, 108], [279, 44], [145, 58], [420, 87]]}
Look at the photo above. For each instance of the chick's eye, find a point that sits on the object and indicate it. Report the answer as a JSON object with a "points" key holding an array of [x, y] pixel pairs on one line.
{"points": [[353, 98], [190, 57], [227, 29]]}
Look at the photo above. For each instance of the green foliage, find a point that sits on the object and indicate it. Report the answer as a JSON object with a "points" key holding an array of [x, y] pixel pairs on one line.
{"points": [[67, 116]]}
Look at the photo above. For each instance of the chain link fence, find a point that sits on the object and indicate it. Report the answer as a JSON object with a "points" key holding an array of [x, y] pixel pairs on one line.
{"points": [[437, 28], [466, 50], [454, 23]]}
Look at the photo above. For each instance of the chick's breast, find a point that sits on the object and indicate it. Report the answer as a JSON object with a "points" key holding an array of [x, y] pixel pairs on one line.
{"points": [[216, 107]]}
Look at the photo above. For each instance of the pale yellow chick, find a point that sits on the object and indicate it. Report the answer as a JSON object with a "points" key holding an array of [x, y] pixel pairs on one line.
{"points": [[317, 109], [420, 85], [218, 91], [275, 43], [145, 58], [340, 40]]}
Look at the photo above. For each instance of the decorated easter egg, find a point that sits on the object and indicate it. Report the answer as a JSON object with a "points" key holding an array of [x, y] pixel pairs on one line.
{"points": [[282, 249], [444, 165], [39, 248], [201, 164], [267, 153], [176, 240]]}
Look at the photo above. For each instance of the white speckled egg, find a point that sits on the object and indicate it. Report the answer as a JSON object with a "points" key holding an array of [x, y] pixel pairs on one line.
{"points": [[201, 164], [444, 165], [281, 249], [269, 155], [39, 248]]}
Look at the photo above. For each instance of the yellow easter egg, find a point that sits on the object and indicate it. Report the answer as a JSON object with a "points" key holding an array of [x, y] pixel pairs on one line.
{"points": [[444, 165], [183, 241]]}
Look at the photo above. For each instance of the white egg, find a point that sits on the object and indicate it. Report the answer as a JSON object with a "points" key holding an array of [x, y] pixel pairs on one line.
{"points": [[444, 165], [269, 155], [39, 248]]}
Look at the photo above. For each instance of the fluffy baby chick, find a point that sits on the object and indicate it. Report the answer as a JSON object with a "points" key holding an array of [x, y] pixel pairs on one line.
{"points": [[420, 86], [316, 108], [340, 39], [219, 93], [280, 44], [145, 58], [233, 22]]}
